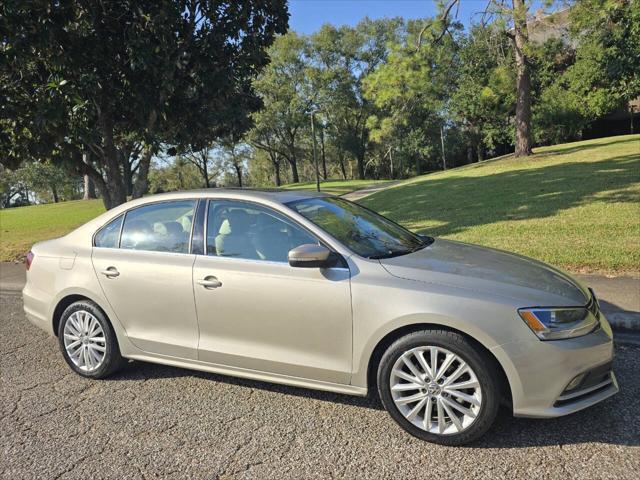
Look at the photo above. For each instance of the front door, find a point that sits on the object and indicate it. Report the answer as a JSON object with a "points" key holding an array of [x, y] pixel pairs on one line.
{"points": [[146, 275], [257, 312]]}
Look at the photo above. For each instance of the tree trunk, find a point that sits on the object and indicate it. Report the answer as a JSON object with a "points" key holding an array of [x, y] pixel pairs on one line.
{"points": [[205, 170], [89, 188], [89, 185], [324, 159], [276, 167], [141, 185], [360, 161], [342, 168], [115, 192], [294, 169], [523, 81], [54, 193], [480, 151], [238, 168]]}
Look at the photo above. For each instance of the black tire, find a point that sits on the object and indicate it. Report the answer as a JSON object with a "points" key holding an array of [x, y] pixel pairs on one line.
{"points": [[483, 367], [112, 361]]}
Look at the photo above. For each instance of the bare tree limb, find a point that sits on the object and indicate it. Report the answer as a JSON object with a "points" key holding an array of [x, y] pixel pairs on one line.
{"points": [[443, 18]]}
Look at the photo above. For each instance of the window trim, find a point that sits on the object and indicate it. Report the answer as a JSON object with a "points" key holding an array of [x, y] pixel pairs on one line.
{"points": [[342, 261], [196, 200]]}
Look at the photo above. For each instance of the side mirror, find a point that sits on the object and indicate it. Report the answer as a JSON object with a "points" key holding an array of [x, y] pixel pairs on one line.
{"points": [[309, 256]]}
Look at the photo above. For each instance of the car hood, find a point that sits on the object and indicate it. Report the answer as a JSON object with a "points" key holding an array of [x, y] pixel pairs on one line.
{"points": [[490, 271]]}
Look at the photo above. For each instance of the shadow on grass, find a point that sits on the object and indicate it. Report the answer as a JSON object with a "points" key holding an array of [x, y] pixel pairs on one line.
{"points": [[457, 203], [581, 147]]}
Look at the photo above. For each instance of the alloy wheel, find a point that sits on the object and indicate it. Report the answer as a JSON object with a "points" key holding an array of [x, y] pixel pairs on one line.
{"points": [[435, 390], [84, 341]]}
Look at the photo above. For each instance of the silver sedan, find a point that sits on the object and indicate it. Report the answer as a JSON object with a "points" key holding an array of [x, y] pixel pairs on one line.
{"points": [[315, 291]]}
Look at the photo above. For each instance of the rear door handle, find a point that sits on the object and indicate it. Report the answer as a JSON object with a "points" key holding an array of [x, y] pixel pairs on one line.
{"points": [[209, 282], [110, 272]]}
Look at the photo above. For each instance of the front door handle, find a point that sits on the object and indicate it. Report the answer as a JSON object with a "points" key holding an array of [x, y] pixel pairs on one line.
{"points": [[209, 282], [110, 272]]}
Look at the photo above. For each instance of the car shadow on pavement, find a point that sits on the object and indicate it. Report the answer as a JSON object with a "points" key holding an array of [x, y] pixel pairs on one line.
{"points": [[614, 421]]}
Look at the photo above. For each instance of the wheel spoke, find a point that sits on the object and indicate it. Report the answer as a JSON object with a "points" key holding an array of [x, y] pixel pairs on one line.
{"points": [[411, 415], [410, 398], [442, 425], [428, 410], [403, 387], [449, 358], [460, 408], [423, 363], [434, 363], [94, 354], [463, 385], [464, 396], [462, 368], [452, 416], [75, 324], [411, 367], [406, 376]]}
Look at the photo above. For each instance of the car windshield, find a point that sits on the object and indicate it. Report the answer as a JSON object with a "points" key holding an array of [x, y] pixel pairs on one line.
{"points": [[365, 232]]}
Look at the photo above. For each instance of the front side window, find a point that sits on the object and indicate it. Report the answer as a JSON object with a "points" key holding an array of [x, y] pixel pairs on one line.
{"points": [[362, 231], [109, 235], [159, 227], [249, 231]]}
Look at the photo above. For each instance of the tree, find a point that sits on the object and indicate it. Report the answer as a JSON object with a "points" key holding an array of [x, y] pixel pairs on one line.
{"points": [[203, 160], [235, 154], [411, 91], [341, 59], [482, 103], [606, 73], [513, 23], [96, 76], [287, 96]]}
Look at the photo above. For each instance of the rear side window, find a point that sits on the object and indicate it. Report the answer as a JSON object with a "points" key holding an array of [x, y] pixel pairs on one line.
{"points": [[160, 227], [109, 235]]}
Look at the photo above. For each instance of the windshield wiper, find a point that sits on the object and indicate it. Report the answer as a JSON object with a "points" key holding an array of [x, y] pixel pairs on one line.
{"points": [[397, 253]]}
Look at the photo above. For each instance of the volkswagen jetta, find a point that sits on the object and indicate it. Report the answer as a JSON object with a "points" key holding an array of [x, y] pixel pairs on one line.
{"points": [[314, 291]]}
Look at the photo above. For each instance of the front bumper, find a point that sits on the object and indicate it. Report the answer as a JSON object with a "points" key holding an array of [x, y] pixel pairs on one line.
{"points": [[539, 373]]}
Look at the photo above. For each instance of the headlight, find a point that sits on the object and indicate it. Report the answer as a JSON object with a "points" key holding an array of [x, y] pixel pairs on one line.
{"points": [[558, 323]]}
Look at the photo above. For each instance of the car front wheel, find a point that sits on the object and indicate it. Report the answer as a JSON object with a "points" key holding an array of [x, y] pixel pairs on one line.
{"points": [[439, 387]]}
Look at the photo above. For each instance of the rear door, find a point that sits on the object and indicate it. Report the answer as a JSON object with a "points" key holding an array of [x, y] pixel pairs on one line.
{"points": [[144, 265], [257, 312]]}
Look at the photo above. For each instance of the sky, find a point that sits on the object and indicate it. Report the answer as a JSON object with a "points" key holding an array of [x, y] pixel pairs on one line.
{"points": [[308, 15]]}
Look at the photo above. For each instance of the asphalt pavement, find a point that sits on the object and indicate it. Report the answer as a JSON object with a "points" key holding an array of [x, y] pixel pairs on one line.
{"points": [[153, 421]]}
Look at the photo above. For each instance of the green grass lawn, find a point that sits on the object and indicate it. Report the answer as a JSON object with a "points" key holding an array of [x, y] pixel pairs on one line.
{"points": [[335, 187], [574, 205], [22, 227]]}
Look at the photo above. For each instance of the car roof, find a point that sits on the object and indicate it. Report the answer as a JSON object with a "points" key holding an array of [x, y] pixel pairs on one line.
{"points": [[274, 195]]}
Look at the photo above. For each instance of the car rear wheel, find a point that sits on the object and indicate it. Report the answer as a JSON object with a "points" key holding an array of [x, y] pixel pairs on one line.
{"points": [[439, 387], [88, 342]]}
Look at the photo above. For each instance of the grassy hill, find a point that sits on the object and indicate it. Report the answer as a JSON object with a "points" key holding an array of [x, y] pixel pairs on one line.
{"points": [[575, 205]]}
